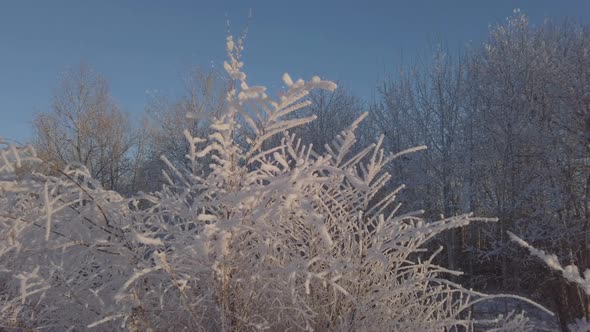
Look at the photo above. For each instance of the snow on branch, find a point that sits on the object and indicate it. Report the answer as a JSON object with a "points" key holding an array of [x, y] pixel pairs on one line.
{"points": [[569, 272]]}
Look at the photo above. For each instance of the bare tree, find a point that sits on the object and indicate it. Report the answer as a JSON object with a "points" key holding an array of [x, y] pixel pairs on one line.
{"points": [[166, 121], [334, 111], [425, 106], [85, 126]]}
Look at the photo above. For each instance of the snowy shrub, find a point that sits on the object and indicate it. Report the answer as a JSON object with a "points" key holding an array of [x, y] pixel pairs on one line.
{"points": [[266, 237]]}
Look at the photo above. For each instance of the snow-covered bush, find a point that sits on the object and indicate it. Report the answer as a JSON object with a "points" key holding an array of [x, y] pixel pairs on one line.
{"points": [[63, 245], [266, 237]]}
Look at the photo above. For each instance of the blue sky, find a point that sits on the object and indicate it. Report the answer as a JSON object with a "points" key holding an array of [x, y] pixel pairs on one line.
{"points": [[142, 46]]}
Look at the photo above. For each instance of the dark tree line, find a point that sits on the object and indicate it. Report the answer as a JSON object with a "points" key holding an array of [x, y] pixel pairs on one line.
{"points": [[507, 125]]}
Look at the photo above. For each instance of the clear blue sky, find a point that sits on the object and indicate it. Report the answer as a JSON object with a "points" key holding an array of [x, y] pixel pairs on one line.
{"points": [[141, 46]]}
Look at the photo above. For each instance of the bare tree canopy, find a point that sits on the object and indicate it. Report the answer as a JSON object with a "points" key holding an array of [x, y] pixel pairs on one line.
{"points": [[85, 126]]}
